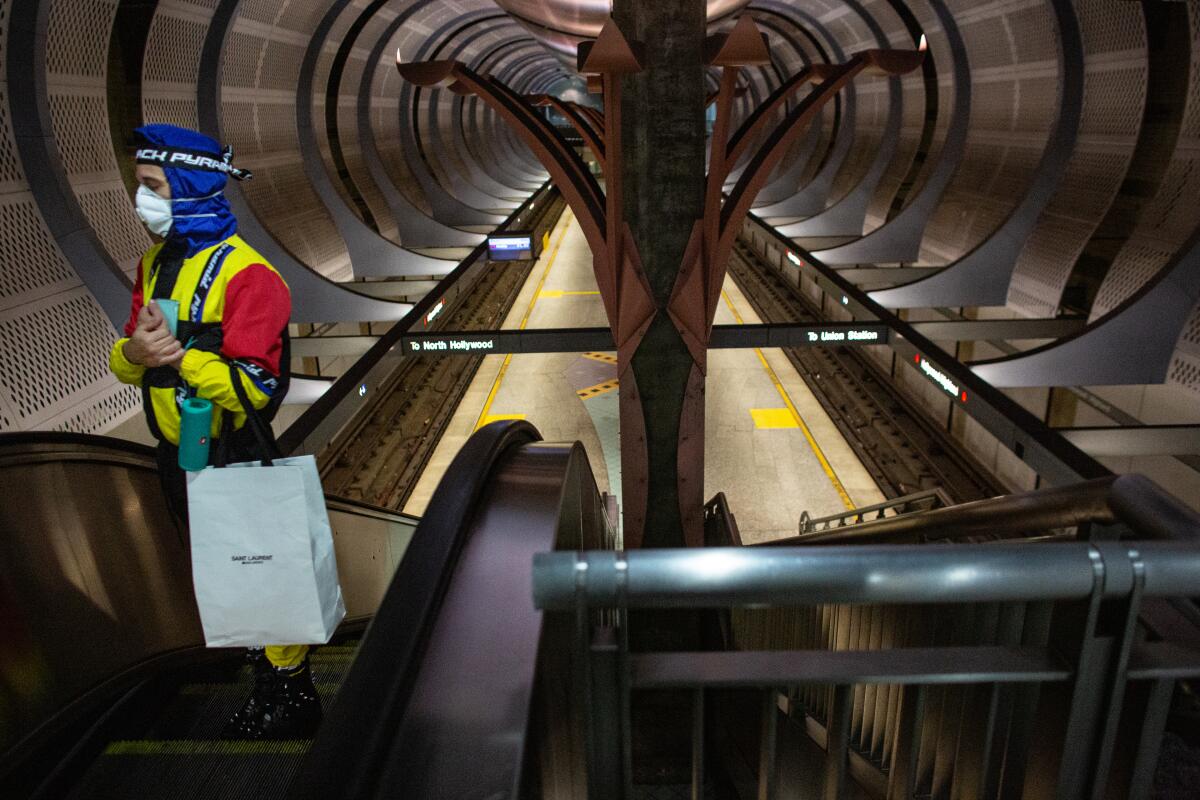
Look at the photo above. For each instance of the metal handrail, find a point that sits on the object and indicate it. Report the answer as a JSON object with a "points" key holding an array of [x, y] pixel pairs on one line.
{"points": [[872, 574], [1130, 499], [852, 640], [926, 500]]}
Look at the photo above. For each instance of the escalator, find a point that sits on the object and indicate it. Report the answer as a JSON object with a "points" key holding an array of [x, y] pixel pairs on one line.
{"points": [[106, 689]]}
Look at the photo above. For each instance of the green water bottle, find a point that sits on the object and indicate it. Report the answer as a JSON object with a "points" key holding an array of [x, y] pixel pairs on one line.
{"points": [[195, 430]]}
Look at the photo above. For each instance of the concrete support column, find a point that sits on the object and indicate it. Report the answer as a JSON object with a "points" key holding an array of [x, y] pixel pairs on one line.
{"points": [[662, 185]]}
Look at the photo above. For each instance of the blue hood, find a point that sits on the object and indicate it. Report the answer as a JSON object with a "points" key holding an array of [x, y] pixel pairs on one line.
{"points": [[201, 213]]}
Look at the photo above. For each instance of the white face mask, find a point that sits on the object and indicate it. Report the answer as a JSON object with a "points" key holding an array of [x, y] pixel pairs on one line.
{"points": [[155, 211]]}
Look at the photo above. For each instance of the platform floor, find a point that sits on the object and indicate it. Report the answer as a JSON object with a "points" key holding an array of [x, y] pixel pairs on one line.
{"points": [[769, 445]]}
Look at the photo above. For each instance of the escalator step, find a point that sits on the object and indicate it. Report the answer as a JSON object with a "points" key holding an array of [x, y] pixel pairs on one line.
{"points": [[206, 747], [187, 769], [180, 756]]}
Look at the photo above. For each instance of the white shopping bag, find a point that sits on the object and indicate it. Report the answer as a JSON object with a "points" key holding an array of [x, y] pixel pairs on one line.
{"points": [[262, 554]]}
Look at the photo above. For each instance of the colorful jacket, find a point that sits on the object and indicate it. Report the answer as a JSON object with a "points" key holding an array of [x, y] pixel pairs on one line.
{"points": [[227, 285]]}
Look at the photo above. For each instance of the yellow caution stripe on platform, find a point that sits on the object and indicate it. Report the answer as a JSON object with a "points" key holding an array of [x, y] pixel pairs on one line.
{"points": [[490, 418], [598, 389], [601, 357], [770, 418]]}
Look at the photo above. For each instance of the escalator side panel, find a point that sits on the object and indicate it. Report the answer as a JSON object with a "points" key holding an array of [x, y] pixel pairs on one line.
{"points": [[94, 578]]}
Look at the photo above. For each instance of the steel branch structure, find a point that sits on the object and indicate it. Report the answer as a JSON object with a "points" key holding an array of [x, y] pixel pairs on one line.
{"points": [[624, 288]]}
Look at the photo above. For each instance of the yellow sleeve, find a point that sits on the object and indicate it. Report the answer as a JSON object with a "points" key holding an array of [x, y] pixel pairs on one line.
{"points": [[209, 374], [125, 370]]}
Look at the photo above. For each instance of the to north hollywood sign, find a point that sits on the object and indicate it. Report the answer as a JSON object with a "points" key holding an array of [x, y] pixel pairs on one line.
{"points": [[430, 344], [940, 378]]}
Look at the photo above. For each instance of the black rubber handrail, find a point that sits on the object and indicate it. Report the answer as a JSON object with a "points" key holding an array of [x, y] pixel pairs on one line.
{"points": [[353, 746]]}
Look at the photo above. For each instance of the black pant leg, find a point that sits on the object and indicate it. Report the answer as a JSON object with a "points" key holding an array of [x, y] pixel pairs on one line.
{"points": [[174, 484]]}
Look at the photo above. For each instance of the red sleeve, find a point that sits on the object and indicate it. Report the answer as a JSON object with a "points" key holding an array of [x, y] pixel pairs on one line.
{"points": [[131, 325], [257, 307]]}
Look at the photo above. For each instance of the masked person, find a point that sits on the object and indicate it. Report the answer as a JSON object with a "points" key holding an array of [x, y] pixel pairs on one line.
{"points": [[233, 310]]}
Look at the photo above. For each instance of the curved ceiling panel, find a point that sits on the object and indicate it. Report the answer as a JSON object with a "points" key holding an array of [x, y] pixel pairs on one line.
{"points": [[562, 24]]}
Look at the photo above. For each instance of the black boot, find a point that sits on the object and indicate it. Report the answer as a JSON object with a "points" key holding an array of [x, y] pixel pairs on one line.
{"points": [[283, 705], [246, 717]]}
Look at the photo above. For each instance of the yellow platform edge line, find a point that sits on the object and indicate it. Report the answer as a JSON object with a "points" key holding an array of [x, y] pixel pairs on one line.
{"points": [[565, 221], [826, 467]]}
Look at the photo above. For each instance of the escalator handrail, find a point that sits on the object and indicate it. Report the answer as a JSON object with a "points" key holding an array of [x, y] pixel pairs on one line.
{"points": [[62, 446], [1134, 500], [64, 439], [352, 746]]}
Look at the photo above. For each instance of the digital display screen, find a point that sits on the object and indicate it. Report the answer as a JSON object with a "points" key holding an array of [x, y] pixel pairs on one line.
{"points": [[940, 378], [510, 247]]}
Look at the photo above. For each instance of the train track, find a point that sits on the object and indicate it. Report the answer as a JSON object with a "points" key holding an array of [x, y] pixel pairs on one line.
{"points": [[383, 457], [904, 451]]}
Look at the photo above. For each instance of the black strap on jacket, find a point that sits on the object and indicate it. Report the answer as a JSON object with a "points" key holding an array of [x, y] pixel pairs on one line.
{"points": [[263, 435]]}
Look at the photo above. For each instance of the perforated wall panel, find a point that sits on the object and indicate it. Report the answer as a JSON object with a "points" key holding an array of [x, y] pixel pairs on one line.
{"points": [[76, 62], [172, 61], [1114, 43], [53, 335], [264, 53], [1008, 94], [1167, 221]]}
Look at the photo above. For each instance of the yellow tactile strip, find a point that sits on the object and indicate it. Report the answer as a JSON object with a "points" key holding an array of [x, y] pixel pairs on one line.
{"points": [[598, 389], [555, 293], [771, 418], [603, 357]]}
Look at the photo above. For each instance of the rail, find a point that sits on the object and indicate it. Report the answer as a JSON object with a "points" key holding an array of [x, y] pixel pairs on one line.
{"points": [[970, 670], [927, 500], [1103, 508]]}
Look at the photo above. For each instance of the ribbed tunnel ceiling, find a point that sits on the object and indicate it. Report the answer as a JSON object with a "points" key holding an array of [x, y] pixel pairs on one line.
{"points": [[1048, 158], [562, 24]]}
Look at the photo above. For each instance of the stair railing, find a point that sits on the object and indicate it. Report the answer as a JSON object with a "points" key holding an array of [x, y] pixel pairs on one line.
{"points": [[926, 500], [970, 670]]}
